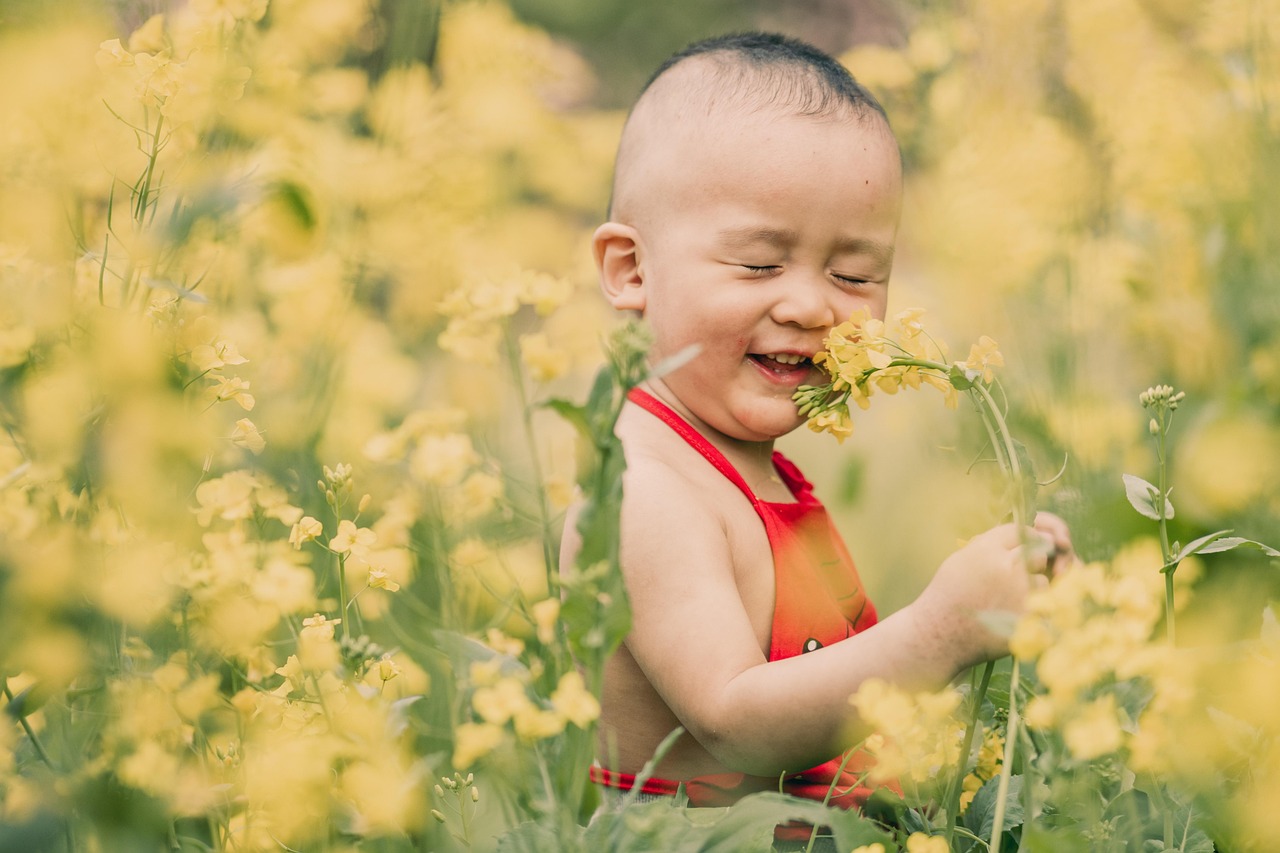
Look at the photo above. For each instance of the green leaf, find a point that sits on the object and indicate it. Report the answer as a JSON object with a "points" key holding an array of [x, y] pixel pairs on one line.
{"points": [[744, 821], [1203, 545], [574, 414], [959, 378], [1041, 839], [1142, 495], [981, 815], [1228, 543], [530, 837]]}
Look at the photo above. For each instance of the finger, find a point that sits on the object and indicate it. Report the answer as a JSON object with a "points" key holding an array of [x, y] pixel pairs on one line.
{"points": [[1064, 555], [1035, 555], [1056, 529]]}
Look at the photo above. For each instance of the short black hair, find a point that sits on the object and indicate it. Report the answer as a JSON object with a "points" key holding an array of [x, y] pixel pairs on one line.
{"points": [[830, 88]]}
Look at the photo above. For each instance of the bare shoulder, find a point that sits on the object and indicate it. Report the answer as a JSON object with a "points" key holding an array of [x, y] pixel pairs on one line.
{"points": [[666, 493]]}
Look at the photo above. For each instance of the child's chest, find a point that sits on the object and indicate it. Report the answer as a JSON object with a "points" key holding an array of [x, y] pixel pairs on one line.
{"points": [[753, 570]]}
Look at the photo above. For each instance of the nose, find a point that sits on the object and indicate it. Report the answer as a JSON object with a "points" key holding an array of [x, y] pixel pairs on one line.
{"points": [[805, 301]]}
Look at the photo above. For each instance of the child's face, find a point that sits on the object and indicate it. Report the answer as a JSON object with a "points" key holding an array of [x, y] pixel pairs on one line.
{"points": [[770, 229]]}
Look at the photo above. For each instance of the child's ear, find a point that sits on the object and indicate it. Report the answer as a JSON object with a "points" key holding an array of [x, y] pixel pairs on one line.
{"points": [[617, 251]]}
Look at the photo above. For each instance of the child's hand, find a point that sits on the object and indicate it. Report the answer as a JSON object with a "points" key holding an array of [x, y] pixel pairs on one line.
{"points": [[992, 573]]}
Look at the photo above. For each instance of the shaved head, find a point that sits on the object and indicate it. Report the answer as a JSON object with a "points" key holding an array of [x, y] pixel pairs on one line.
{"points": [[715, 84]]}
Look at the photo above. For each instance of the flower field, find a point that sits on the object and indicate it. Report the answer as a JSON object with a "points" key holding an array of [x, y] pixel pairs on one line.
{"points": [[302, 361]]}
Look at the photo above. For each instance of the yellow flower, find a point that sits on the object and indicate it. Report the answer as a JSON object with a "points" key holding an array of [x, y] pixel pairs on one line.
{"points": [[543, 361], [212, 356], [983, 355], [572, 699], [157, 78], [918, 734], [149, 37], [228, 497], [285, 585], [111, 54], [232, 388], [918, 842], [835, 422], [473, 741], [387, 668], [246, 435], [150, 768], [305, 530], [1095, 730], [318, 625], [495, 639], [534, 723], [544, 292], [1040, 712], [442, 460], [545, 613], [352, 539], [485, 673], [378, 580], [501, 702]]}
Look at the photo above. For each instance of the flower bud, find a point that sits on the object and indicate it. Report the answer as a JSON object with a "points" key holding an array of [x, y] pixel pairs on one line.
{"points": [[475, 795], [364, 503], [1153, 427], [439, 791], [438, 815]]}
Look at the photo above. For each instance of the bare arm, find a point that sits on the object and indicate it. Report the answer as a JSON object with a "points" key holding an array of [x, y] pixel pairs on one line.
{"points": [[693, 639]]}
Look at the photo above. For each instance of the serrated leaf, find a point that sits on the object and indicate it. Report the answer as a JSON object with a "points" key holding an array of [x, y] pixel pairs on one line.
{"points": [[1142, 494], [1203, 545], [1229, 542], [980, 817]]}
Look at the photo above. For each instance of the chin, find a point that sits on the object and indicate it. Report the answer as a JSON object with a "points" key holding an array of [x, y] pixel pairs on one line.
{"points": [[761, 426]]}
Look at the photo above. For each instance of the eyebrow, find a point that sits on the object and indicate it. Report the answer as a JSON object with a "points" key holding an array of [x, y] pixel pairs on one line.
{"points": [[783, 238]]}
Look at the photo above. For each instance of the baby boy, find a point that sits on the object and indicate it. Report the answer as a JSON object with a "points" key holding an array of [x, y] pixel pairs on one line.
{"points": [[756, 204]]}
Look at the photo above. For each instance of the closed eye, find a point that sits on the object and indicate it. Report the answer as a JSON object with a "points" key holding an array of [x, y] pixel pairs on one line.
{"points": [[857, 282], [761, 271]]}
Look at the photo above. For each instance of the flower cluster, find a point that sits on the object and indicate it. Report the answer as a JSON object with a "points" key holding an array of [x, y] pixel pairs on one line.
{"points": [[861, 356], [503, 706], [1090, 634], [915, 736]]}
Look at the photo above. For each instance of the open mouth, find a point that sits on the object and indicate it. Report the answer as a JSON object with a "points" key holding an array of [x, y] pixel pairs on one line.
{"points": [[783, 363]]}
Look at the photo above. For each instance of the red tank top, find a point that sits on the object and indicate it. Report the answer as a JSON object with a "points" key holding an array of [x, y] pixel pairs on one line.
{"points": [[819, 600]]}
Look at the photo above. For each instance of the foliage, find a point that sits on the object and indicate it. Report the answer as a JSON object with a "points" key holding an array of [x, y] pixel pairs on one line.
{"points": [[289, 361]]}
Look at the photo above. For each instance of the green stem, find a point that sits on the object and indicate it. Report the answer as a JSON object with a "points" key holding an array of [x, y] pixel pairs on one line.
{"points": [[26, 727], [1012, 467], [953, 794], [1161, 504], [1006, 771], [526, 417], [835, 780], [342, 595], [145, 192]]}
